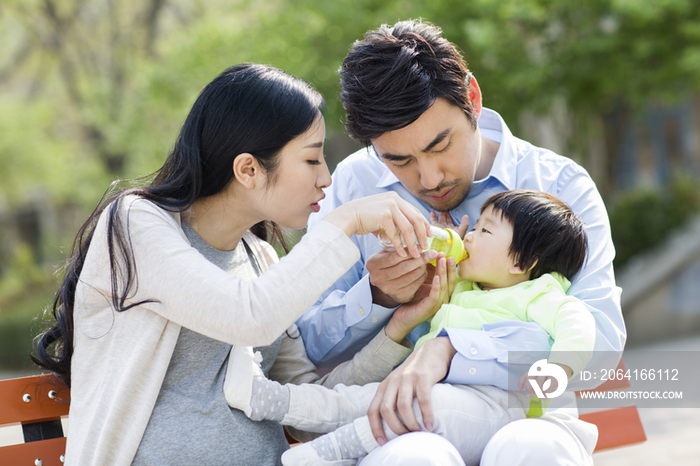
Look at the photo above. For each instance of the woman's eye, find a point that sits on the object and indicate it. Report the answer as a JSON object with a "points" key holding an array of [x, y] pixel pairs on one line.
{"points": [[313, 162]]}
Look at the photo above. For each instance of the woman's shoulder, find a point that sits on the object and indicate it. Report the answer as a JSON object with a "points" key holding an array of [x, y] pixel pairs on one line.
{"points": [[140, 209]]}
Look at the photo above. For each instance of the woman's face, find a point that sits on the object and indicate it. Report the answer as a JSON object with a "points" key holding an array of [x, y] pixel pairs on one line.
{"points": [[299, 180]]}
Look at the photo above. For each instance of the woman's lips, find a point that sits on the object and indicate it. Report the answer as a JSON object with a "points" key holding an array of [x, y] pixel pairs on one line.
{"points": [[316, 206]]}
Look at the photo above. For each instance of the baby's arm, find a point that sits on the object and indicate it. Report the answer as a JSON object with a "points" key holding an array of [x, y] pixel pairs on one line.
{"points": [[570, 325]]}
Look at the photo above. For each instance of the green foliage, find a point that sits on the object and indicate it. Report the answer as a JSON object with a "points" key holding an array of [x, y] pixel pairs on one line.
{"points": [[20, 325], [22, 273], [38, 151], [643, 218]]}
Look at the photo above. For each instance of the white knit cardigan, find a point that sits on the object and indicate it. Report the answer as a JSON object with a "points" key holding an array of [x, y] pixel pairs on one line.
{"points": [[120, 358]]}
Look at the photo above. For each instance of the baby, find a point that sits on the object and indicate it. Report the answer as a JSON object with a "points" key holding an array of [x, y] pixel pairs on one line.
{"points": [[523, 252]]}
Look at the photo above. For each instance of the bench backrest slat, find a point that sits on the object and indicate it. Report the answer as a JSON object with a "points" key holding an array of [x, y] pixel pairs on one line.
{"points": [[27, 400]]}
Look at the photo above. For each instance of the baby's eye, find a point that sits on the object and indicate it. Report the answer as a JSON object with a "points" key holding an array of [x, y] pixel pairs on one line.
{"points": [[484, 230]]}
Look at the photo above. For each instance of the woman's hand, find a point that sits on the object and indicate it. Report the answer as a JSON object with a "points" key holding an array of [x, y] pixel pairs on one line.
{"points": [[386, 214], [410, 315], [414, 378]]}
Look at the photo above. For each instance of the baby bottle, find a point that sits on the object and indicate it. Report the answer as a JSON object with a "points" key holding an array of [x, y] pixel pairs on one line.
{"points": [[441, 240], [447, 241]]}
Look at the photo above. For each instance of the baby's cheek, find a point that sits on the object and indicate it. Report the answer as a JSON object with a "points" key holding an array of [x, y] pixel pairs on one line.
{"points": [[462, 271]]}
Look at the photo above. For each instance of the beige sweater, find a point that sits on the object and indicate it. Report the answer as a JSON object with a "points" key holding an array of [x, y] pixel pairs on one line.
{"points": [[120, 358]]}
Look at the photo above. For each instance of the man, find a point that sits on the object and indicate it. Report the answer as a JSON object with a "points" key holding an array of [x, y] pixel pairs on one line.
{"points": [[411, 100]]}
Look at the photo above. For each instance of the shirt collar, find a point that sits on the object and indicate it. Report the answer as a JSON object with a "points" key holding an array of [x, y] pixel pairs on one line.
{"points": [[492, 126], [388, 178]]}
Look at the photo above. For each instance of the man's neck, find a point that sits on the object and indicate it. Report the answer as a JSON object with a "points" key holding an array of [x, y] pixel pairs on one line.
{"points": [[489, 149]]}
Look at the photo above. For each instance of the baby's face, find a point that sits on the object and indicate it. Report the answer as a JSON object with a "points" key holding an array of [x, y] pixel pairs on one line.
{"points": [[489, 263]]}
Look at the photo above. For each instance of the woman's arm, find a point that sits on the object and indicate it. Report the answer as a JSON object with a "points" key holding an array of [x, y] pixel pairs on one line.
{"points": [[188, 290], [176, 282]]}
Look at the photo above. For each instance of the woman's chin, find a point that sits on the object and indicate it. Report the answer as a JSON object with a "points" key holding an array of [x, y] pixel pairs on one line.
{"points": [[296, 224]]}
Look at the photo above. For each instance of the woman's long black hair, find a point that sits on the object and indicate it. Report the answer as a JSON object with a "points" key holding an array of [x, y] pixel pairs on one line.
{"points": [[248, 108]]}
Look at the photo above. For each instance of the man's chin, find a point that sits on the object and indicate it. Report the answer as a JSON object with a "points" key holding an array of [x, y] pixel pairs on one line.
{"points": [[447, 205]]}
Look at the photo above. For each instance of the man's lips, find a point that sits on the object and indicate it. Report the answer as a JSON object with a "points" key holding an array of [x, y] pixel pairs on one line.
{"points": [[442, 196]]}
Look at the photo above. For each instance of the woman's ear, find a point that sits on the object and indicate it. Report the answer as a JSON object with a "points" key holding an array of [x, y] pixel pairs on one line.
{"points": [[247, 170]]}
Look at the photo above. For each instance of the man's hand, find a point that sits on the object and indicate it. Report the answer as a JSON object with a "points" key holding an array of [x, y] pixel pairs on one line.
{"points": [[409, 316], [414, 378], [395, 280]]}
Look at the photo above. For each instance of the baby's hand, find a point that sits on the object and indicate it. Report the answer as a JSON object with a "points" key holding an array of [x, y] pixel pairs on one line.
{"points": [[444, 220], [408, 316]]}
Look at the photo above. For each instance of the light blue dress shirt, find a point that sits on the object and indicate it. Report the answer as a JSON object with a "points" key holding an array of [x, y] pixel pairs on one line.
{"points": [[345, 319]]}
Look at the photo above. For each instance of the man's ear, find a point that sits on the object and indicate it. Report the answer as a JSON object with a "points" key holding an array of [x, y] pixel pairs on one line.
{"points": [[247, 170], [474, 94]]}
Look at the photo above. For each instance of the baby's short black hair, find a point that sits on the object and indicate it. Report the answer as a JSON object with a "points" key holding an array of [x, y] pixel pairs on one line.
{"points": [[547, 235]]}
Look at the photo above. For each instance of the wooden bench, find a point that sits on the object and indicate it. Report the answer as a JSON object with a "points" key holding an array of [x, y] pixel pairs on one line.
{"points": [[616, 426], [34, 406]]}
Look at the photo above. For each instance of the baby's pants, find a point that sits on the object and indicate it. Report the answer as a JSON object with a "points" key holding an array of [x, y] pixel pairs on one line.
{"points": [[466, 415]]}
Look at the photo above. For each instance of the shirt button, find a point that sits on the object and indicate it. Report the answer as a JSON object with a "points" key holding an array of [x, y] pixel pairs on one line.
{"points": [[472, 370], [361, 311], [373, 319], [473, 351]]}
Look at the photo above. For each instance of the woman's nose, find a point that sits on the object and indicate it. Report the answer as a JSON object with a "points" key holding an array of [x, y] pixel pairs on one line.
{"points": [[324, 179]]}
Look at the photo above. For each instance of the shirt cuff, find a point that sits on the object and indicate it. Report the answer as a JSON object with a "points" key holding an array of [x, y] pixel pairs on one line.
{"points": [[359, 305], [475, 361]]}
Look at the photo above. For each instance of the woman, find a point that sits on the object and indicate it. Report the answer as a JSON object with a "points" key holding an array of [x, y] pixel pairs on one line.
{"points": [[145, 314]]}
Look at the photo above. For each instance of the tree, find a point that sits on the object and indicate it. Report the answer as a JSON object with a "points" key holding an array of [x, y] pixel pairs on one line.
{"points": [[84, 57]]}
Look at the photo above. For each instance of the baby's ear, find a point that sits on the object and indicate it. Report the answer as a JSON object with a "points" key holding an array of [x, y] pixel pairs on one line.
{"points": [[516, 270]]}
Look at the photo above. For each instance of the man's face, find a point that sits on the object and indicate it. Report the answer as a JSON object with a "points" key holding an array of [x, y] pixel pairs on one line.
{"points": [[436, 157]]}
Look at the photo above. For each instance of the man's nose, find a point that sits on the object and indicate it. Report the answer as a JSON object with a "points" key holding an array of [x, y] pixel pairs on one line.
{"points": [[431, 174]]}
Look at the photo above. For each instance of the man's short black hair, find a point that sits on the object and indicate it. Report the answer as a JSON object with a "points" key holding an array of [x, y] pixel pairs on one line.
{"points": [[389, 79], [546, 232]]}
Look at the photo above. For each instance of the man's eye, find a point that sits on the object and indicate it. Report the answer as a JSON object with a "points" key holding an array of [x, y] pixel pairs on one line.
{"points": [[443, 149], [400, 165]]}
